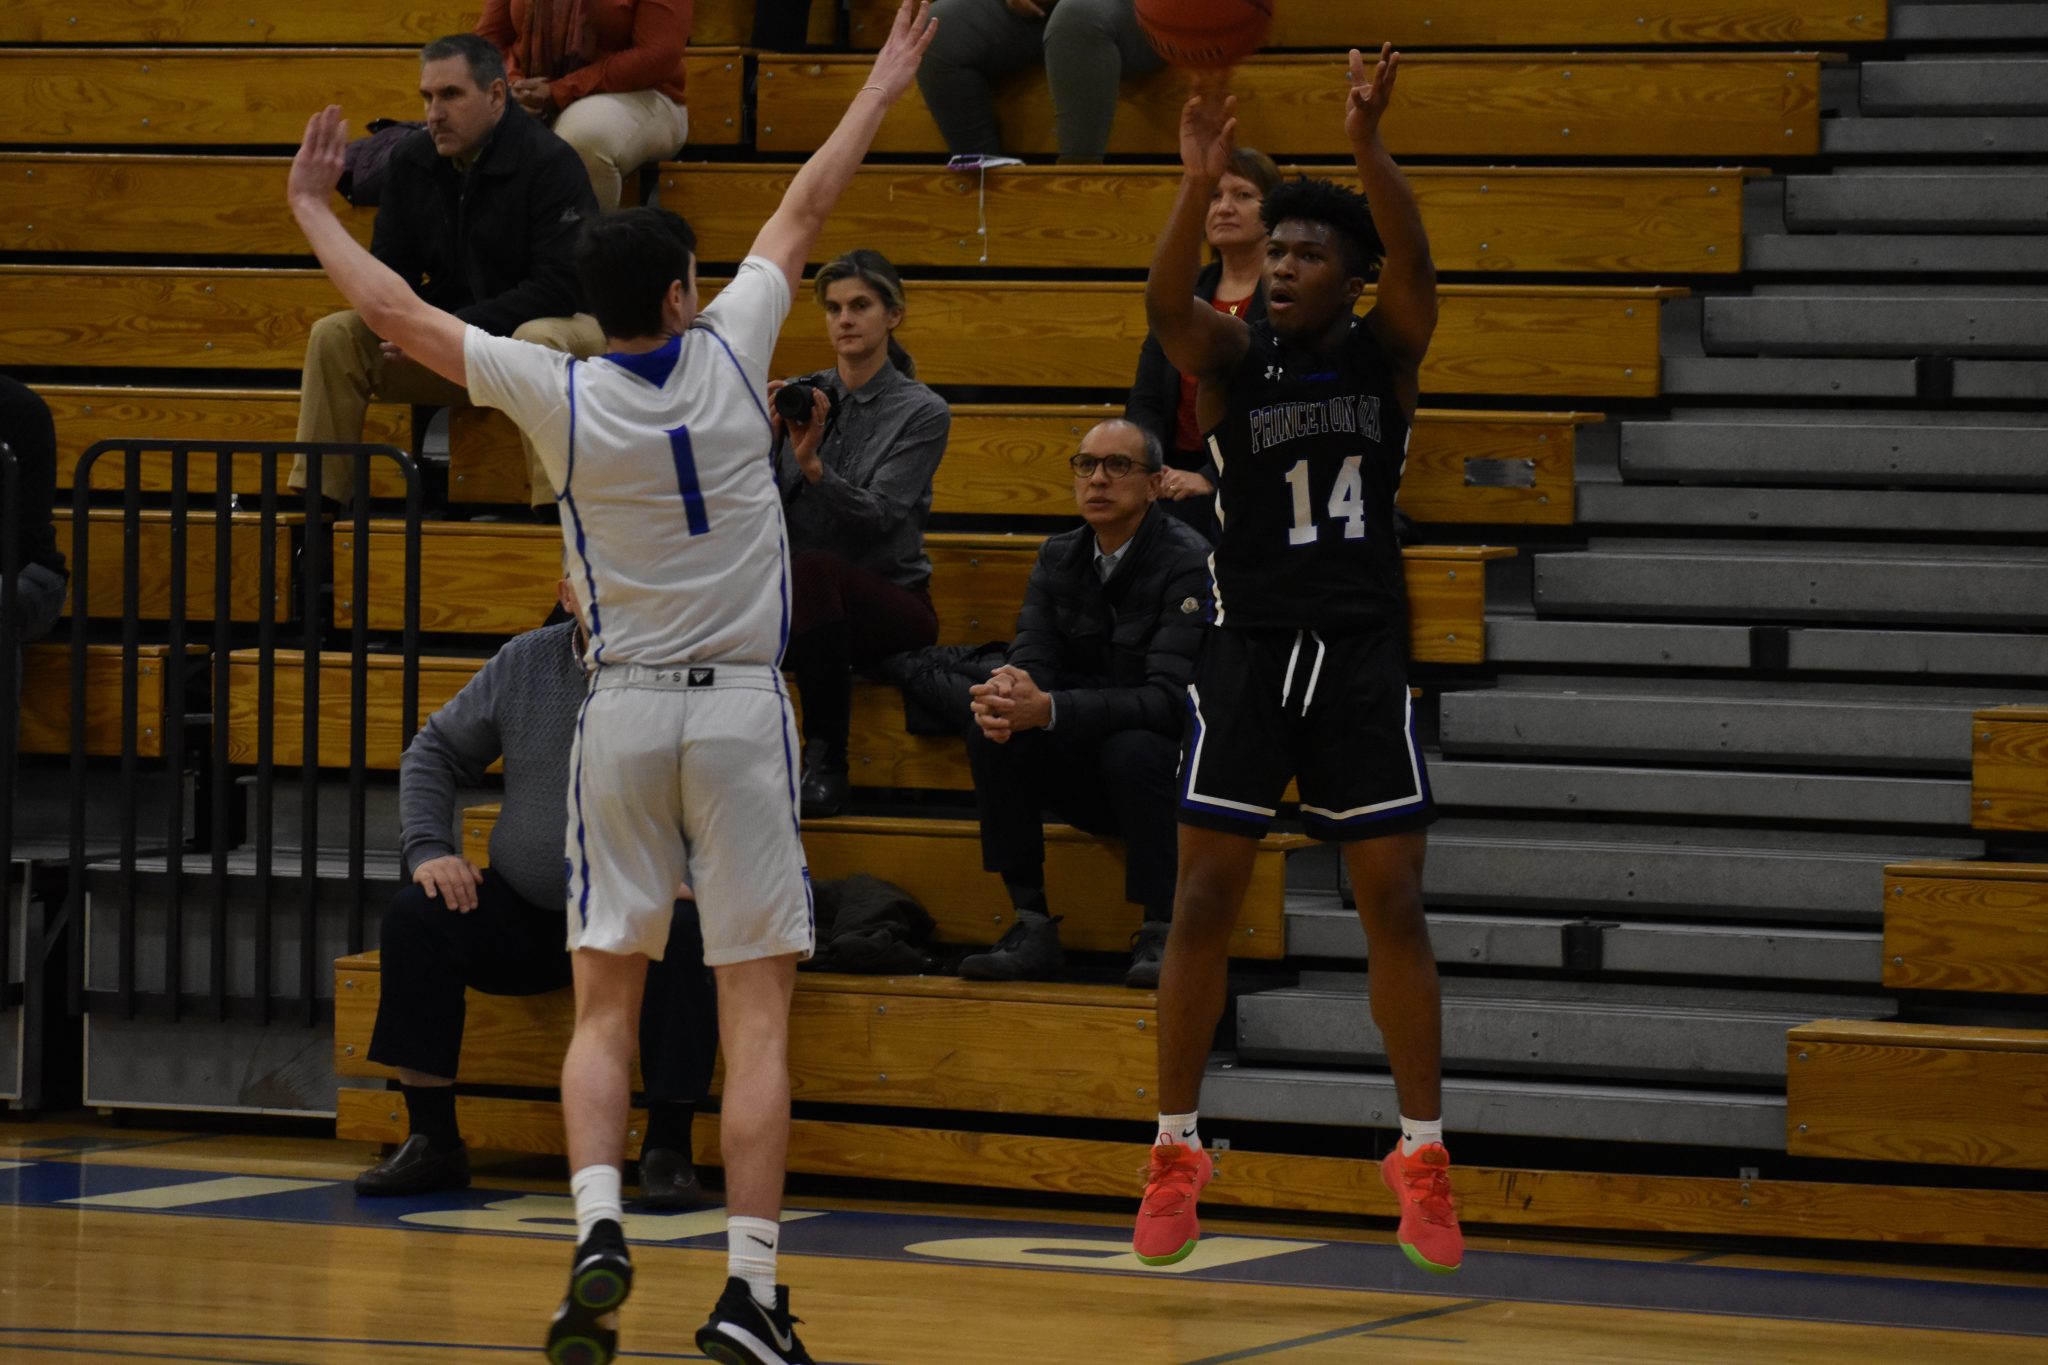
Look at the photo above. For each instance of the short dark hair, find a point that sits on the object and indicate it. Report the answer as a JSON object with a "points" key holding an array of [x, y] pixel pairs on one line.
{"points": [[486, 63], [626, 261], [1344, 212]]}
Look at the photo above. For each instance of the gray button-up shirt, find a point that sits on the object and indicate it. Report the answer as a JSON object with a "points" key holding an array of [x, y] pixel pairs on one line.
{"points": [[882, 445]]}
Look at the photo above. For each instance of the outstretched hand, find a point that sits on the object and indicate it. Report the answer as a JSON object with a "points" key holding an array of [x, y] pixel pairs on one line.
{"points": [[1367, 103], [1208, 126], [316, 170], [896, 64]]}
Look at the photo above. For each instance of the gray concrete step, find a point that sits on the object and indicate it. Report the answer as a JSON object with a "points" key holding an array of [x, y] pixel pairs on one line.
{"points": [[1821, 253], [1960, 85], [1812, 509], [1991, 451], [1917, 201], [1993, 136], [1514, 639], [1992, 380], [1824, 324], [1321, 927], [1753, 1120], [1832, 726], [2013, 19], [1730, 377], [1710, 793], [1796, 581], [1683, 1035]]}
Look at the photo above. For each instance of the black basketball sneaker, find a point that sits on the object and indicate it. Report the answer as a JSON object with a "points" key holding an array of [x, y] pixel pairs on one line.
{"points": [[586, 1327], [742, 1332]]}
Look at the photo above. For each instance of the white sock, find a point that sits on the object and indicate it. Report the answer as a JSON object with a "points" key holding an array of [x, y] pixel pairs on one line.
{"points": [[1179, 1128], [597, 1198], [1419, 1133], [750, 1255]]}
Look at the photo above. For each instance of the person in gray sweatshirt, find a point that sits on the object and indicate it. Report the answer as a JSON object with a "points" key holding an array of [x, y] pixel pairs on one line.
{"points": [[501, 929]]}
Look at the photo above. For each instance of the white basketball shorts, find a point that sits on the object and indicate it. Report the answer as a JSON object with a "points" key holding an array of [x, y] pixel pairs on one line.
{"points": [[687, 769]]}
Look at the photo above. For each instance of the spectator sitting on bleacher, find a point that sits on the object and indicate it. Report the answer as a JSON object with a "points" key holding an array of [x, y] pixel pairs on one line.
{"points": [[608, 74], [1163, 399], [856, 488], [1085, 719], [1088, 47], [26, 428], [479, 215], [504, 930]]}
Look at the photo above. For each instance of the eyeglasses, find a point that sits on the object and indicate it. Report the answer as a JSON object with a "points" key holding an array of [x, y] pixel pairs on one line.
{"points": [[1116, 466]]}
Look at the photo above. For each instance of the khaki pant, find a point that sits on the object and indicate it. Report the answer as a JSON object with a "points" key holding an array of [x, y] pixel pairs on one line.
{"points": [[616, 134], [346, 368]]}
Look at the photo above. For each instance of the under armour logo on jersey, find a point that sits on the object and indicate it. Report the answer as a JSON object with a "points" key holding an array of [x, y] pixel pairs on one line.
{"points": [[1276, 371]]}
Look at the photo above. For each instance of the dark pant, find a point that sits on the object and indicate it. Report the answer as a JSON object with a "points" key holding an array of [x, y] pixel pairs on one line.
{"points": [[780, 25], [507, 946], [843, 617], [1119, 784]]}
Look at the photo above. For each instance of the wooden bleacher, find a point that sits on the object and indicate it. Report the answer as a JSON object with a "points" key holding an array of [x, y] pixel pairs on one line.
{"points": [[939, 862], [2009, 768], [1624, 104], [1491, 339], [1500, 220], [252, 96], [1979, 926], [1322, 24], [46, 699], [106, 540]]}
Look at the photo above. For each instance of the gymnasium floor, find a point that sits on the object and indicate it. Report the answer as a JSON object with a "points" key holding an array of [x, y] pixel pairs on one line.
{"points": [[131, 1245]]}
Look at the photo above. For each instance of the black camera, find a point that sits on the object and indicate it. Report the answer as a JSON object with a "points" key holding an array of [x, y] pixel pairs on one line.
{"points": [[795, 403]]}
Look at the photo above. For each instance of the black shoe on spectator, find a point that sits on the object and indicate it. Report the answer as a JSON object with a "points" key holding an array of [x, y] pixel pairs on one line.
{"points": [[419, 1166], [825, 784], [668, 1180], [1030, 951], [1148, 949]]}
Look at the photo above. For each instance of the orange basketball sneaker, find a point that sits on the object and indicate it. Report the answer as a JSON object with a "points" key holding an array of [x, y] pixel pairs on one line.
{"points": [[1167, 1226], [1429, 1225]]}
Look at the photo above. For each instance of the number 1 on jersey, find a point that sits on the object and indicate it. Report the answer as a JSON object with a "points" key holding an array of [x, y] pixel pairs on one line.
{"points": [[692, 492], [1347, 502]]}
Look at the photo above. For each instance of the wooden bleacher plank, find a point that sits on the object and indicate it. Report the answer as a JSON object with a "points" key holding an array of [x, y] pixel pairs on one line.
{"points": [[1497, 221], [939, 862], [439, 679], [251, 96], [88, 414], [1955, 1095], [1966, 927], [106, 539], [46, 699], [2009, 768], [488, 1123], [498, 579], [1457, 460], [1490, 339], [1627, 104], [154, 205], [234, 22], [1335, 24]]}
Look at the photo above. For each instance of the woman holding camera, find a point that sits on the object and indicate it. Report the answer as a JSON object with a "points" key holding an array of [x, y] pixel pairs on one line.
{"points": [[856, 447]]}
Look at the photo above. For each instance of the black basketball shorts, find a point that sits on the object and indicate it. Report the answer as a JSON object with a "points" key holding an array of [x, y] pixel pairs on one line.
{"points": [[1331, 712]]}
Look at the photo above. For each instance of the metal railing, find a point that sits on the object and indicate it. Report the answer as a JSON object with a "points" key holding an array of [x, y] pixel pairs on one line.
{"points": [[220, 796]]}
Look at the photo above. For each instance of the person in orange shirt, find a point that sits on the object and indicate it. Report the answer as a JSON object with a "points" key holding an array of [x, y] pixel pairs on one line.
{"points": [[608, 74]]}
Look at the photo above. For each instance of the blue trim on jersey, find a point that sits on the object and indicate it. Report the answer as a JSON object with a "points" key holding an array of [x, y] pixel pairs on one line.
{"points": [[581, 905], [687, 482], [758, 405], [568, 499], [796, 805], [782, 647], [654, 366]]}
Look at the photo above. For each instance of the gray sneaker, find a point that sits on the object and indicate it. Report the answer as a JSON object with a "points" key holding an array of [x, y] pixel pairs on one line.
{"points": [[1148, 950], [1030, 951]]}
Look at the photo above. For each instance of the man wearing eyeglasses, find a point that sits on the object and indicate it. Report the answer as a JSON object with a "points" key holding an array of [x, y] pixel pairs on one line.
{"points": [[1085, 718]]}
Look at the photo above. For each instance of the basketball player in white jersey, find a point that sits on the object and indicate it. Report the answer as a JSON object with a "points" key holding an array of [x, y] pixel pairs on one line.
{"points": [[685, 750]]}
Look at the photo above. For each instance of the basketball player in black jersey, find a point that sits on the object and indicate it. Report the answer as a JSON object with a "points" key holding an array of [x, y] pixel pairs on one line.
{"points": [[1305, 674]]}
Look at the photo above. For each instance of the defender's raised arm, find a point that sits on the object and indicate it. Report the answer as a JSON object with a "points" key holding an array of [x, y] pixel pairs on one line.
{"points": [[1404, 305]]}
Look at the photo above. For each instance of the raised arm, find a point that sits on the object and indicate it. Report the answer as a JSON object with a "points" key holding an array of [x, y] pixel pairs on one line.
{"points": [[787, 238], [385, 301], [1198, 340], [1403, 315]]}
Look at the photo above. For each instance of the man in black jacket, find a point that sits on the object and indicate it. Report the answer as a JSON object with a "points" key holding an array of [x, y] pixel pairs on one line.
{"points": [[1085, 718], [479, 214]]}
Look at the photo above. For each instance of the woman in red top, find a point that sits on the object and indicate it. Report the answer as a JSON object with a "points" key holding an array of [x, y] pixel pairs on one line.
{"points": [[608, 74]]}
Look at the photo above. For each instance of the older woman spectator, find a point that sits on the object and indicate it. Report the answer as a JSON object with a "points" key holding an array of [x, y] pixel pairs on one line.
{"points": [[607, 73]]}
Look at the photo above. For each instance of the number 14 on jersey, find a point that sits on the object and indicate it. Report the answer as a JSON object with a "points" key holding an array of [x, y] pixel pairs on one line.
{"points": [[1347, 502]]}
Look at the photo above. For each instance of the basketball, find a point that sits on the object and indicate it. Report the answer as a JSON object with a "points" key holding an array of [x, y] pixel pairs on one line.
{"points": [[1206, 34]]}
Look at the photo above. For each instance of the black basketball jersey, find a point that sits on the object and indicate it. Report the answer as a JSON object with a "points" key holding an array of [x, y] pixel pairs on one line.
{"points": [[1309, 459]]}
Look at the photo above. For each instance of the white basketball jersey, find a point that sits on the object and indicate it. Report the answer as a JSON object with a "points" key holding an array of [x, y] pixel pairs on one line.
{"points": [[670, 512]]}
